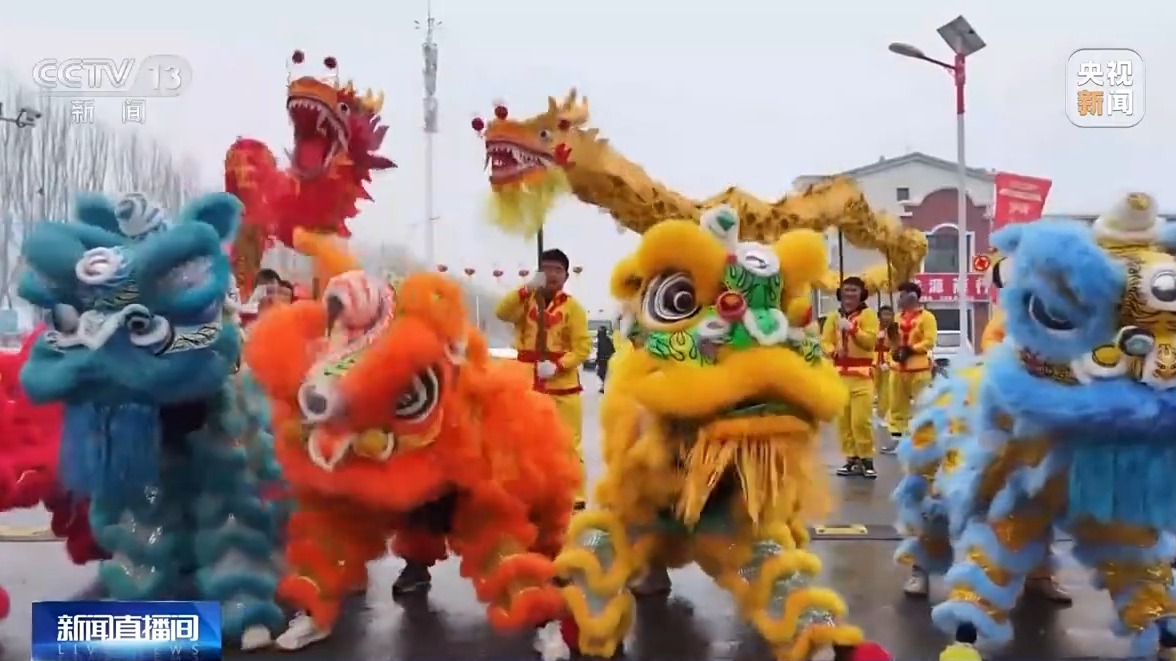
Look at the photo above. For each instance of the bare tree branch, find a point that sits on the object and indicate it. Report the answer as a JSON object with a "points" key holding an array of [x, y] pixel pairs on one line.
{"points": [[42, 167]]}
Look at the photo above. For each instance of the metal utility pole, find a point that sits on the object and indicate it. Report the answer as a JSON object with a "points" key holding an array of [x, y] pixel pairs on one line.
{"points": [[961, 37], [429, 50]]}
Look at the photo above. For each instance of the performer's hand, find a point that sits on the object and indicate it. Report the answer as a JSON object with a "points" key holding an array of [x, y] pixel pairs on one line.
{"points": [[844, 324], [537, 281], [546, 369]]}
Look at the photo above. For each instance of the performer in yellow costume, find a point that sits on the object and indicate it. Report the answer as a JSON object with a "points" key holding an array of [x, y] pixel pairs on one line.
{"points": [[848, 338], [911, 371], [566, 344]]}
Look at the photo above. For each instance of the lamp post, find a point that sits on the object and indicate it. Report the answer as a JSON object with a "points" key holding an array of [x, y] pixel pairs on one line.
{"points": [[429, 50], [961, 37]]}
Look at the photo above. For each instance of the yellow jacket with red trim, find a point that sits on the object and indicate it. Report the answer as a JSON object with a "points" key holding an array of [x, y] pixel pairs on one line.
{"points": [[916, 330], [852, 349], [568, 341]]}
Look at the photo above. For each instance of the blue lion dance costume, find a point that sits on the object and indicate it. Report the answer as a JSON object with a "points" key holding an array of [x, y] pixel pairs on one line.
{"points": [[1069, 423], [159, 431]]}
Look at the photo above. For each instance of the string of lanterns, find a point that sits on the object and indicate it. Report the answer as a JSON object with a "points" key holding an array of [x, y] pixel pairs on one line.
{"points": [[470, 271]]}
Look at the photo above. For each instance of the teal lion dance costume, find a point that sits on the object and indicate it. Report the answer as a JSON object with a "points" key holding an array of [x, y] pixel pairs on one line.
{"points": [[159, 433], [1069, 423]]}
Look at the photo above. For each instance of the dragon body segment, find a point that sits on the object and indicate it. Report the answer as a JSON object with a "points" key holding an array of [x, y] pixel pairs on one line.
{"points": [[710, 439], [534, 161], [1066, 423], [394, 422], [142, 355]]}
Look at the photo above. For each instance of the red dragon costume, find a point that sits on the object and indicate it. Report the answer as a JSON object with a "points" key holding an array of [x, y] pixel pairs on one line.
{"points": [[336, 131], [392, 421], [29, 438]]}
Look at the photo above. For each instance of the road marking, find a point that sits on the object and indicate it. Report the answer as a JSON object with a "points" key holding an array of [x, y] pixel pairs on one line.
{"points": [[26, 534], [852, 529]]}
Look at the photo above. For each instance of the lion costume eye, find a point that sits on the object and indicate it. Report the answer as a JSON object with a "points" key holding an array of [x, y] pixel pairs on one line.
{"points": [[420, 399], [670, 298], [1042, 315]]}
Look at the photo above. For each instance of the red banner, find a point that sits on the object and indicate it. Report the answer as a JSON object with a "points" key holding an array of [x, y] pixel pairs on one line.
{"points": [[1019, 199], [941, 287]]}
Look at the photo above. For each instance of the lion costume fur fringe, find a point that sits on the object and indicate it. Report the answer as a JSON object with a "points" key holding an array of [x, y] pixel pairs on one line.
{"points": [[437, 444], [710, 431]]}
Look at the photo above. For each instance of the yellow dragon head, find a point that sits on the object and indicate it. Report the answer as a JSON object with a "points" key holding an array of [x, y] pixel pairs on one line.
{"points": [[716, 367], [527, 157]]}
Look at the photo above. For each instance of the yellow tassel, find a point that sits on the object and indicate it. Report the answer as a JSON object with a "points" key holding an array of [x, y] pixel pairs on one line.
{"points": [[522, 208], [774, 458]]}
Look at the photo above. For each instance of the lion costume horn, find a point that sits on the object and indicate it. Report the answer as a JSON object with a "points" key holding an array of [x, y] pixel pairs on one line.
{"points": [[330, 258]]}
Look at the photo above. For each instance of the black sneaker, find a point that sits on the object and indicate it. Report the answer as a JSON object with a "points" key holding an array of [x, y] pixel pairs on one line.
{"points": [[414, 578], [853, 466], [868, 471], [893, 446]]}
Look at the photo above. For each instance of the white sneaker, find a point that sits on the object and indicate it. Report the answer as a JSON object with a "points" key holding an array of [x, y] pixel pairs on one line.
{"points": [[301, 632], [256, 637], [918, 584], [550, 644]]}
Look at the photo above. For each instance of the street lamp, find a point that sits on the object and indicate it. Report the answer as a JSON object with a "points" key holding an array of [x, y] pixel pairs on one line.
{"points": [[961, 37], [25, 117]]}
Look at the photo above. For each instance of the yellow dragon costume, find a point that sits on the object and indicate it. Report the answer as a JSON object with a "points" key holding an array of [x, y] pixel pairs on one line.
{"points": [[710, 439], [534, 161], [1067, 423]]}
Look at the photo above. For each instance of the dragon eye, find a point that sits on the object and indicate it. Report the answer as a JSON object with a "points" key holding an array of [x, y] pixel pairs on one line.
{"points": [[670, 298], [343, 108], [545, 135]]}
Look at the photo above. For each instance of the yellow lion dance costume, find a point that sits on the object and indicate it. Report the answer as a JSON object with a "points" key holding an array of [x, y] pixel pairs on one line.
{"points": [[710, 431]]}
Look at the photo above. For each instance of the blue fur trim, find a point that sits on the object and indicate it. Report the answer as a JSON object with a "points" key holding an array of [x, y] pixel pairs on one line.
{"points": [[1123, 405], [979, 534], [1092, 555], [949, 615], [110, 450], [1115, 480], [932, 563]]}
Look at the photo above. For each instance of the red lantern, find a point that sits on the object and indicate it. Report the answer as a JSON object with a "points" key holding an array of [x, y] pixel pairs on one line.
{"points": [[442, 268], [497, 273], [469, 272], [577, 270], [524, 273]]}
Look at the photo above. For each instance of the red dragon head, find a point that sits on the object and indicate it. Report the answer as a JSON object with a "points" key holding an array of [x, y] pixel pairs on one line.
{"points": [[336, 128]]}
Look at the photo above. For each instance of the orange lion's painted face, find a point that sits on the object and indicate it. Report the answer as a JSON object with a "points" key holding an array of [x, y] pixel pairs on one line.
{"points": [[373, 412]]}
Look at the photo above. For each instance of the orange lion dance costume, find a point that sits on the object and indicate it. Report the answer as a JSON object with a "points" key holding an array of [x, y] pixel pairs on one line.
{"points": [[392, 421]]}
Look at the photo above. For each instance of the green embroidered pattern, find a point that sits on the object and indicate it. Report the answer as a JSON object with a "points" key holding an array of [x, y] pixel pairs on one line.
{"points": [[678, 346]]}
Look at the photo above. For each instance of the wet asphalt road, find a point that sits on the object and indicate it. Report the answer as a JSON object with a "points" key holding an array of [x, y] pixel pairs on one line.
{"points": [[695, 622]]}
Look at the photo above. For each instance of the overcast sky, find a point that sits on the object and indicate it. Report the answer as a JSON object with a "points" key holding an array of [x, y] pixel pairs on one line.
{"points": [[704, 95]]}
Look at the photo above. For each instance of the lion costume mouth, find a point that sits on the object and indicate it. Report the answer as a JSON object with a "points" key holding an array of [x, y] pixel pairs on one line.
{"points": [[761, 443]]}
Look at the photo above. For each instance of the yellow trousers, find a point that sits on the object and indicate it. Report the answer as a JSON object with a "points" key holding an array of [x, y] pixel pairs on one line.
{"points": [[856, 424], [882, 393], [904, 390], [571, 411]]}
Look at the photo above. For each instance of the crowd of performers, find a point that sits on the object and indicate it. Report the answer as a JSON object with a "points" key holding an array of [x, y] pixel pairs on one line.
{"points": [[259, 450], [372, 418]]}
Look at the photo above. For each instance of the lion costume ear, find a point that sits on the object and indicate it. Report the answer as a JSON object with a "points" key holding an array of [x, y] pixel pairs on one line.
{"points": [[435, 299], [330, 258], [625, 282], [803, 260]]}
